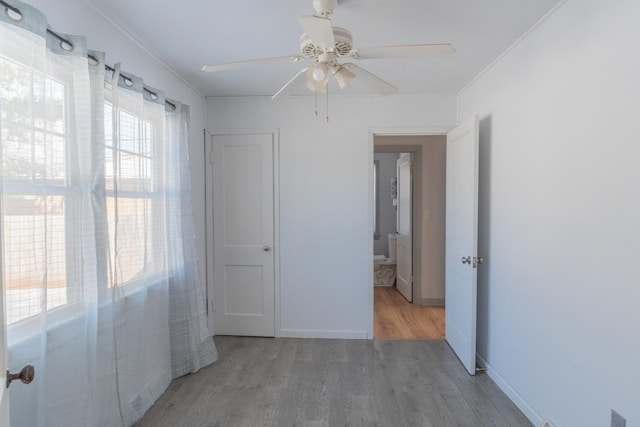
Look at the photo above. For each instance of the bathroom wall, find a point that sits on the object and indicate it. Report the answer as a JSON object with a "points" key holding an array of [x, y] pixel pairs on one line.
{"points": [[387, 212]]}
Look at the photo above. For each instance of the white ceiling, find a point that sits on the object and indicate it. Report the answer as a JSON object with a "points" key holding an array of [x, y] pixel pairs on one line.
{"points": [[188, 34]]}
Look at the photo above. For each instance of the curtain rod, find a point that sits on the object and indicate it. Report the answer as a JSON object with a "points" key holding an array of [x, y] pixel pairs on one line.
{"points": [[63, 40]]}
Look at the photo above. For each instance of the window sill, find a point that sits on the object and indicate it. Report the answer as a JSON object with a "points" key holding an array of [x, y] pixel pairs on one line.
{"points": [[67, 316]]}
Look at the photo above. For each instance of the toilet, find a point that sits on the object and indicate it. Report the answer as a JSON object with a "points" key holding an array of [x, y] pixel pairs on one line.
{"points": [[384, 269]]}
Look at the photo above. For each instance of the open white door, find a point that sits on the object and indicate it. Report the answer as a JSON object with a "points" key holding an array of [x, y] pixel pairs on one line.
{"points": [[462, 242], [404, 255], [243, 234]]}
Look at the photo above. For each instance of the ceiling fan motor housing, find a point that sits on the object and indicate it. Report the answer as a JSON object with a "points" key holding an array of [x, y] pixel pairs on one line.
{"points": [[342, 48], [325, 7]]}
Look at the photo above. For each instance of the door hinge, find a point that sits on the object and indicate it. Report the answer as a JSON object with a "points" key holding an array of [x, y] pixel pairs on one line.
{"points": [[477, 261]]}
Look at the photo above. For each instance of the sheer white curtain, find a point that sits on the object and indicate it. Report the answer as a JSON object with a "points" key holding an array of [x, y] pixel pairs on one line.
{"points": [[101, 274], [190, 334], [49, 247]]}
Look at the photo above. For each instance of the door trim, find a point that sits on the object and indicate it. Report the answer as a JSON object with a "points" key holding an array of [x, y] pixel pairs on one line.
{"points": [[388, 131], [209, 134]]}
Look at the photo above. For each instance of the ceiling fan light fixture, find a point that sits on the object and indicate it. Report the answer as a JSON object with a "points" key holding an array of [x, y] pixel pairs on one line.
{"points": [[343, 76], [318, 74], [317, 86]]}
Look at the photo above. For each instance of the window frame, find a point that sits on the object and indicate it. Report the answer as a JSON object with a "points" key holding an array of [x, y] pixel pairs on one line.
{"points": [[154, 197], [70, 191]]}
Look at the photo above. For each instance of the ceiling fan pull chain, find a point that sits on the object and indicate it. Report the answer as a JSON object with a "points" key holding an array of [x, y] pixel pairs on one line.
{"points": [[327, 102], [315, 95]]}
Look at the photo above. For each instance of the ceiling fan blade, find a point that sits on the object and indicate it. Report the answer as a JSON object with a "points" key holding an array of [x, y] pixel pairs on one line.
{"points": [[250, 63], [319, 30], [292, 84], [373, 81], [404, 51]]}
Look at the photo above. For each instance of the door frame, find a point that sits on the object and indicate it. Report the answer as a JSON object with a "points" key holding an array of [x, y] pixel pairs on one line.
{"points": [[395, 131], [208, 189]]}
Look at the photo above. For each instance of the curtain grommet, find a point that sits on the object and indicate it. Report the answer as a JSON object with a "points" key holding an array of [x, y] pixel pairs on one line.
{"points": [[66, 46], [14, 14]]}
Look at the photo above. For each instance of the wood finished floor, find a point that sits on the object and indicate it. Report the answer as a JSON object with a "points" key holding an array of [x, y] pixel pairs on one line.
{"points": [[322, 382], [395, 317]]}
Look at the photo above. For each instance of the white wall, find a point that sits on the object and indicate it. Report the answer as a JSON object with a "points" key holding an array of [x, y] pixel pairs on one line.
{"points": [[326, 264], [559, 317], [434, 174], [388, 167], [78, 17]]}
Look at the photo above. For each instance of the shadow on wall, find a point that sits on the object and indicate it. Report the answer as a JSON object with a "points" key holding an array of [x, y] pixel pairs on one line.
{"points": [[484, 235]]}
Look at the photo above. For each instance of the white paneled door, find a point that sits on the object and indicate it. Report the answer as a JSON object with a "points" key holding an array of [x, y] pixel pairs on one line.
{"points": [[243, 234], [462, 242], [404, 255]]}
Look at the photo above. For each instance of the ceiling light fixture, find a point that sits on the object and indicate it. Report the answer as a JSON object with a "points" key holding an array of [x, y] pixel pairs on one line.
{"points": [[342, 76], [318, 78], [320, 71], [318, 74]]}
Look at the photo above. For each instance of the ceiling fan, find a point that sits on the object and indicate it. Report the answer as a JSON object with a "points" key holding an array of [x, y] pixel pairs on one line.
{"points": [[326, 45]]}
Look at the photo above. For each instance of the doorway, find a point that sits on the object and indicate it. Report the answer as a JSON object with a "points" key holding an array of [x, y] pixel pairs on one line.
{"points": [[394, 316]]}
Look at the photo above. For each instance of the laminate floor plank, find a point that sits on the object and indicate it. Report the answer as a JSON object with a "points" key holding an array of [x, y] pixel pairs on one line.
{"points": [[314, 382], [409, 372], [396, 318], [479, 391]]}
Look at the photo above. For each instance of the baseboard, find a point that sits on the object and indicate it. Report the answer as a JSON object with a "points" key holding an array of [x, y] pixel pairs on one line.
{"points": [[511, 393], [316, 333], [433, 302]]}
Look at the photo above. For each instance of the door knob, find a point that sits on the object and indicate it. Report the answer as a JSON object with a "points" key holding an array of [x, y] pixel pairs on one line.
{"points": [[466, 260], [25, 375], [266, 248]]}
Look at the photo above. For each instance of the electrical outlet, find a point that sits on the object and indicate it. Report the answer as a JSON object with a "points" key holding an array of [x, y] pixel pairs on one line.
{"points": [[617, 420]]}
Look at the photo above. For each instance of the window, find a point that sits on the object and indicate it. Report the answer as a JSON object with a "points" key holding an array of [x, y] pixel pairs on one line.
{"points": [[134, 216], [39, 197], [42, 198]]}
